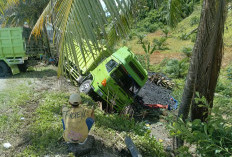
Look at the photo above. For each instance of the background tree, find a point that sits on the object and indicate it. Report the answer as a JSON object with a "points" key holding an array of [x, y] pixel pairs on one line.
{"points": [[21, 11]]}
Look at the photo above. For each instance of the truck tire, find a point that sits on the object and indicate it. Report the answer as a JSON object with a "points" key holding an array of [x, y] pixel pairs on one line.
{"points": [[85, 87], [4, 69]]}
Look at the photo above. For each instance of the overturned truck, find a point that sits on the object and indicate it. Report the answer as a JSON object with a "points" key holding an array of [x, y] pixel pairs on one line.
{"points": [[116, 79]]}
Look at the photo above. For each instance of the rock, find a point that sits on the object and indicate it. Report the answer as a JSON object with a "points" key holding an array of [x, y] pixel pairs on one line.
{"points": [[7, 145], [82, 149]]}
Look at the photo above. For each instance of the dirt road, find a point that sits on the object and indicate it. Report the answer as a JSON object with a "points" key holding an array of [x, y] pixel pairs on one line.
{"points": [[2, 84]]}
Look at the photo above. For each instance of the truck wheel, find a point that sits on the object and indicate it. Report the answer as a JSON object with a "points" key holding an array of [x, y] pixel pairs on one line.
{"points": [[85, 87], [4, 69]]}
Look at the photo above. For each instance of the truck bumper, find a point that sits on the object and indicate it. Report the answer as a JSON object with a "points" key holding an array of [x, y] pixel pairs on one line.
{"points": [[14, 69]]}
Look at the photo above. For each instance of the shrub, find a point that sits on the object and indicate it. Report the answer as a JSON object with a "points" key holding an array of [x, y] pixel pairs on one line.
{"points": [[165, 31], [229, 72], [148, 51], [184, 36], [194, 20], [152, 28], [212, 138], [141, 36], [187, 51], [160, 43], [177, 69], [193, 37]]}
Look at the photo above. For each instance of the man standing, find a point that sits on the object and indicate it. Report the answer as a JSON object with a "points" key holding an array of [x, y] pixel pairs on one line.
{"points": [[77, 121]]}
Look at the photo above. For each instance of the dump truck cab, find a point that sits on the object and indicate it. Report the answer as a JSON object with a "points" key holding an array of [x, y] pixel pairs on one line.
{"points": [[117, 79]]}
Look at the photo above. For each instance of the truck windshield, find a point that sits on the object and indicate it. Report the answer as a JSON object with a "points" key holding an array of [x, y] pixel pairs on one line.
{"points": [[125, 81], [110, 65]]}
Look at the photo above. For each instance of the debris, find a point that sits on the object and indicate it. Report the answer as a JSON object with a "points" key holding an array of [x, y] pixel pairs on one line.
{"points": [[160, 140], [160, 80], [22, 118], [7, 145], [131, 146]]}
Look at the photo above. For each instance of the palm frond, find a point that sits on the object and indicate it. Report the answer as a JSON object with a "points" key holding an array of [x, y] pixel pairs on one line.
{"points": [[80, 27]]}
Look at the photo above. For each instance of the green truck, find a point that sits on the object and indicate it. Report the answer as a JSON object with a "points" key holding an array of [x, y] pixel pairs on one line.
{"points": [[13, 56], [16, 49], [116, 79]]}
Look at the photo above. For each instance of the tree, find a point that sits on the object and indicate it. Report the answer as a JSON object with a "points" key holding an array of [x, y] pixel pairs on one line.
{"points": [[206, 61], [86, 25], [16, 12]]}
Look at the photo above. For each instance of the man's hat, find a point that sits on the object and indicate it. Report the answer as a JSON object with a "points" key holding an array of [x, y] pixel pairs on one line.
{"points": [[75, 98]]}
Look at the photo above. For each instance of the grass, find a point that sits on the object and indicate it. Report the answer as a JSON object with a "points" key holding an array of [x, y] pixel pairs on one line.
{"points": [[40, 133]]}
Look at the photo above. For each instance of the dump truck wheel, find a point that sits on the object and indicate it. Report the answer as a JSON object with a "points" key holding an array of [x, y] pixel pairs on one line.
{"points": [[4, 69], [85, 87]]}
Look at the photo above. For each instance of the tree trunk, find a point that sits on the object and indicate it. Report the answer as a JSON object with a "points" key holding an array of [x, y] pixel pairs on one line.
{"points": [[209, 55], [206, 60], [205, 63]]}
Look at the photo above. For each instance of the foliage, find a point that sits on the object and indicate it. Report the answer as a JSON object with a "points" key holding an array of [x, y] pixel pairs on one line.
{"points": [[160, 43], [212, 138], [151, 23], [194, 20], [229, 72], [184, 36], [24, 11], [224, 87], [193, 37], [148, 51], [187, 51], [166, 31], [177, 69], [141, 36], [166, 11]]}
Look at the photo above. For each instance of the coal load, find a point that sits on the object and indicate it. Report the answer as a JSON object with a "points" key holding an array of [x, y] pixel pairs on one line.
{"points": [[150, 93]]}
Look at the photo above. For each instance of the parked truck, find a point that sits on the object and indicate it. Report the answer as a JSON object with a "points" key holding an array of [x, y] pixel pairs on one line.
{"points": [[16, 49], [116, 79], [13, 56]]}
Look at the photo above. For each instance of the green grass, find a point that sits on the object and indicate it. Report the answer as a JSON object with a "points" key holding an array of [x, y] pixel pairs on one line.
{"points": [[42, 129]]}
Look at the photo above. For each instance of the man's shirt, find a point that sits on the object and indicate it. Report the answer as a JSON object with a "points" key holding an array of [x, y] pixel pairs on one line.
{"points": [[76, 130]]}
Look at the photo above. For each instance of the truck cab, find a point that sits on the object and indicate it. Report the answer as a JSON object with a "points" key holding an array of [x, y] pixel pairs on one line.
{"points": [[117, 79]]}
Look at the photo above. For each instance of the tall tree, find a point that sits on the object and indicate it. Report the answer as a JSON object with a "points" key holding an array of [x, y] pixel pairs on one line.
{"points": [[206, 61]]}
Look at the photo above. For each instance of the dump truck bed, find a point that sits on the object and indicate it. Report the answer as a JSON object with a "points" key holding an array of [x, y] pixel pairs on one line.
{"points": [[12, 47]]}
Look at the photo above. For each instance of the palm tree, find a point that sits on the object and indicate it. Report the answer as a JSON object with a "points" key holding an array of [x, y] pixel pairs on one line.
{"points": [[87, 25]]}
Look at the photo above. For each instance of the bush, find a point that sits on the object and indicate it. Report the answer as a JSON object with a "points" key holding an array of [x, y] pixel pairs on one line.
{"points": [[184, 36], [141, 36], [165, 31], [212, 138], [229, 72], [187, 51], [160, 43], [152, 28], [193, 37], [177, 69], [194, 20]]}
